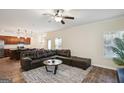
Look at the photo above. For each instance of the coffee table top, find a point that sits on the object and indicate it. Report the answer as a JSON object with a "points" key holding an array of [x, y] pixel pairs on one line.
{"points": [[52, 62]]}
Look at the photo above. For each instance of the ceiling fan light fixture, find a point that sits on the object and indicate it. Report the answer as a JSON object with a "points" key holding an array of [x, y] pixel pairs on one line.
{"points": [[58, 19], [58, 16]]}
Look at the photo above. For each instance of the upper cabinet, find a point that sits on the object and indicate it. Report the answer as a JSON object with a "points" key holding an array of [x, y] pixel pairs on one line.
{"points": [[15, 40]]}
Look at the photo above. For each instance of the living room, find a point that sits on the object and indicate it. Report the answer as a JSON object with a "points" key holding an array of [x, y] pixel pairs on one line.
{"points": [[77, 43], [61, 46]]}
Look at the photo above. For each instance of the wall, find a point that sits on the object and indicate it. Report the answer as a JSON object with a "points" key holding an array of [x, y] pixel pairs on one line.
{"points": [[87, 40], [35, 39]]}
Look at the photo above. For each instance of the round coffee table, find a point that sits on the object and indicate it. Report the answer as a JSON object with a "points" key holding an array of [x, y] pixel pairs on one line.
{"points": [[52, 62]]}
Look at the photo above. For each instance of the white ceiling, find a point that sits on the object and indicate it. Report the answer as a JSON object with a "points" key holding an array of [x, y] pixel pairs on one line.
{"points": [[34, 20]]}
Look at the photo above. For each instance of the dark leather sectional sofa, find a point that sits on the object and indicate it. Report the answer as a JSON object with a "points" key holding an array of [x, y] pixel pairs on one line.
{"points": [[34, 58]]}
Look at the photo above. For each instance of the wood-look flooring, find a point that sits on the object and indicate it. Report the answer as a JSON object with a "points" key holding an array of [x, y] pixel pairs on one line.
{"points": [[10, 69], [101, 75]]}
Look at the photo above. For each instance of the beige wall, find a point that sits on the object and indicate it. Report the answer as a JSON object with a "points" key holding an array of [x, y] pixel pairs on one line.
{"points": [[87, 40]]}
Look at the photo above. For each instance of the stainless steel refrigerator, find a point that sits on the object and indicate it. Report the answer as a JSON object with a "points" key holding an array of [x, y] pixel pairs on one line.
{"points": [[1, 48]]}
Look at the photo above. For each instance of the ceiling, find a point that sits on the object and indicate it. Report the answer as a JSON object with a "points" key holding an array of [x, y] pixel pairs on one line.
{"points": [[34, 20]]}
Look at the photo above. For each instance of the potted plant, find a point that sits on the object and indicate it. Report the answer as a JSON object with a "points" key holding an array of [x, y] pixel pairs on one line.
{"points": [[118, 49]]}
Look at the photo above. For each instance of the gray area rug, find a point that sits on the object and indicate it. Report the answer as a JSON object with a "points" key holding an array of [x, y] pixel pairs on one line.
{"points": [[65, 74]]}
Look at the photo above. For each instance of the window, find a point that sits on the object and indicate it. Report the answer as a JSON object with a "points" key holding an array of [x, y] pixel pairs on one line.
{"points": [[58, 43], [49, 44], [108, 42]]}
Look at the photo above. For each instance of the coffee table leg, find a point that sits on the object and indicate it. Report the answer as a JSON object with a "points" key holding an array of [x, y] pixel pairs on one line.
{"points": [[56, 67], [46, 68]]}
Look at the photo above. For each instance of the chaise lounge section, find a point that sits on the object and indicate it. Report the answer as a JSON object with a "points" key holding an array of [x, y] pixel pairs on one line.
{"points": [[34, 58]]}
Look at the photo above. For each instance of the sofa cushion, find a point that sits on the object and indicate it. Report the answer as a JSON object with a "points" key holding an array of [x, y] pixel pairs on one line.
{"points": [[49, 53], [36, 61], [64, 52], [75, 58], [43, 59], [81, 62], [32, 54], [40, 54]]}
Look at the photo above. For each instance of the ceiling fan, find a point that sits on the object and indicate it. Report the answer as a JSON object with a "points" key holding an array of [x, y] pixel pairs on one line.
{"points": [[58, 16]]}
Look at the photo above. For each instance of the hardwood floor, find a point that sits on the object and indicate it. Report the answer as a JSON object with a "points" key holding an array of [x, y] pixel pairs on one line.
{"points": [[10, 69], [101, 75]]}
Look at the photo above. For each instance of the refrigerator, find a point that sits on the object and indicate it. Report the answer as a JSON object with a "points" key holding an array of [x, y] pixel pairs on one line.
{"points": [[1, 48]]}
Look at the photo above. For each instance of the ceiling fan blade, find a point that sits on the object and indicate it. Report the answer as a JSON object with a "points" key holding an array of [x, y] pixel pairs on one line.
{"points": [[68, 17], [48, 14], [62, 22], [57, 12]]}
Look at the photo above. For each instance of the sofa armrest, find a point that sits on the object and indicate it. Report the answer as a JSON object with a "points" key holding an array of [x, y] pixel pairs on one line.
{"points": [[27, 59], [26, 63]]}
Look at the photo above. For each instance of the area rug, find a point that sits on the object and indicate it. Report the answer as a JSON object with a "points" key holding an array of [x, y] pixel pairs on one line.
{"points": [[65, 74]]}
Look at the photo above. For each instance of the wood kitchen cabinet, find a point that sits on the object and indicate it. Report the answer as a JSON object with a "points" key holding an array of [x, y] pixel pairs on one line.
{"points": [[15, 40]]}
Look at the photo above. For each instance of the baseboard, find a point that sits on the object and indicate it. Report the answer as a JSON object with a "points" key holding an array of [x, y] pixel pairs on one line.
{"points": [[104, 66]]}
